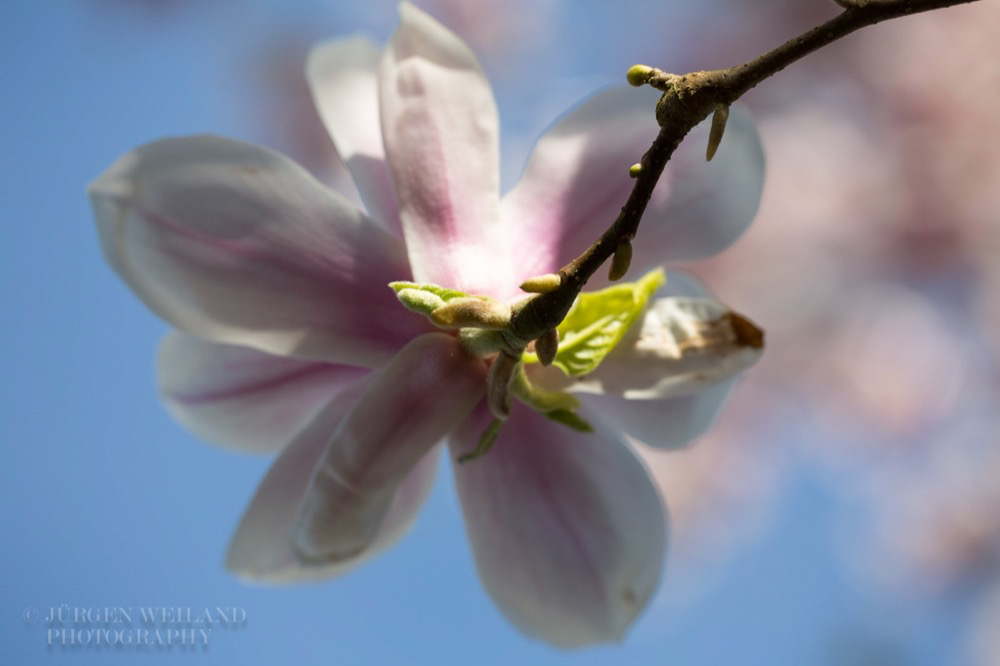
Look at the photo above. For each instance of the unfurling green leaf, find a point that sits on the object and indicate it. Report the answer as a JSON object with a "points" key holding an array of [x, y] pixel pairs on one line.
{"points": [[485, 443], [558, 406], [570, 419], [539, 399], [598, 321]]}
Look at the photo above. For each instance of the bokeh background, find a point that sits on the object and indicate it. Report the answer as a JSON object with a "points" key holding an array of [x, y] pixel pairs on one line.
{"points": [[845, 510]]}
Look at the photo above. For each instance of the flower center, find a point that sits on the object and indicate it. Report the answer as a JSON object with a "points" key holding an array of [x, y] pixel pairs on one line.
{"points": [[593, 327]]}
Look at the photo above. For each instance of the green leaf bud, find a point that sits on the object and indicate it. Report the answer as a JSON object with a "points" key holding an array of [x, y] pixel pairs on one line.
{"points": [[638, 75]]}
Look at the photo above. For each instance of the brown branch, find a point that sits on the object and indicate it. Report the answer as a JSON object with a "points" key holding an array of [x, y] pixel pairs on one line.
{"points": [[686, 101]]}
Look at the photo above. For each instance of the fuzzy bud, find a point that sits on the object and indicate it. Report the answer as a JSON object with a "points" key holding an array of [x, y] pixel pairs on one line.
{"points": [[472, 312], [541, 284], [420, 301]]}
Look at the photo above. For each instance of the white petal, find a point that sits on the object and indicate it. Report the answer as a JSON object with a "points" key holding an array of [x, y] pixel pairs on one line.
{"points": [[243, 398], [415, 401], [681, 346], [667, 380], [237, 244], [440, 128], [342, 78], [663, 423], [262, 548], [567, 529]]}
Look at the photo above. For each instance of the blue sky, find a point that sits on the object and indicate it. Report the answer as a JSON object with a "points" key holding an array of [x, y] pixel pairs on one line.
{"points": [[109, 503]]}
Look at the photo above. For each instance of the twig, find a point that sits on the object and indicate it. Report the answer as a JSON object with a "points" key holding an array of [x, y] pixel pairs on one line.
{"points": [[686, 101]]}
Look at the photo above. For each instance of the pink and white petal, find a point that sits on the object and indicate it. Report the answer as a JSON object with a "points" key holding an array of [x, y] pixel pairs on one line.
{"points": [[441, 133], [567, 529], [413, 404], [342, 78], [242, 398], [705, 206], [262, 550], [663, 423], [576, 182], [237, 244], [576, 179]]}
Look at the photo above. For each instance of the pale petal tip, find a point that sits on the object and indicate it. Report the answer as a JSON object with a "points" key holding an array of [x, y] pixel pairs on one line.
{"points": [[356, 50], [106, 200], [243, 563], [251, 563], [115, 182], [435, 36], [237, 564], [412, 16], [409, 11]]}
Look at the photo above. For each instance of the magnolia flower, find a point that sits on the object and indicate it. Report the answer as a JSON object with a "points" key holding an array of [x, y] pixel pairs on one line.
{"points": [[289, 340]]}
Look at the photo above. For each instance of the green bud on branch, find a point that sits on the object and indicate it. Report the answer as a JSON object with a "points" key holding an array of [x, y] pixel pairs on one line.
{"points": [[638, 75]]}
